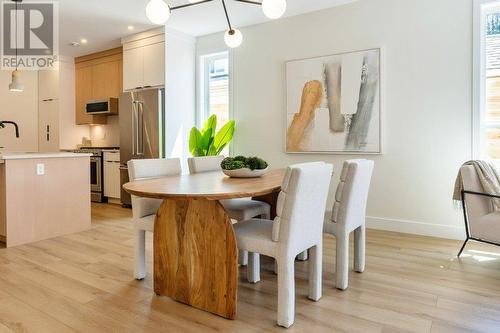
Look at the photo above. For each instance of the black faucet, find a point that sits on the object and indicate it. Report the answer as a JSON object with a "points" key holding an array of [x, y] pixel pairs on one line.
{"points": [[3, 122]]}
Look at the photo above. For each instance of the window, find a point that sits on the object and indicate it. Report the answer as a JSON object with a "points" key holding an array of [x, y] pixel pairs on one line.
{"points": [[486, 120], [214, 88]]}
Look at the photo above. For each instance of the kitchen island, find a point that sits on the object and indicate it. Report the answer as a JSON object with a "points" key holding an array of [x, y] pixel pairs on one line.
{"points": [[43, 195]]}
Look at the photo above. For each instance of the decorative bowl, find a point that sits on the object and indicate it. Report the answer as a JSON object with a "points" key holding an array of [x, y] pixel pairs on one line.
{"points": [[245, 173]]}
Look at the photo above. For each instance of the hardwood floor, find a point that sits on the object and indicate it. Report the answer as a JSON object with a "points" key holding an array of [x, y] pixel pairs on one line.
{"points": [[83, 282]]}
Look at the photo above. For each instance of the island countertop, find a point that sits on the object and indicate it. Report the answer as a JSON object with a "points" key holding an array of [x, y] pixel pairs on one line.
{"points": [[34, 155]]}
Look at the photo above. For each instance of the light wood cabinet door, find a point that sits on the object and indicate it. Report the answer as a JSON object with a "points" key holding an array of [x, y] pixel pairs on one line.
{"points": [[133, 68], [154, 65], [107, 79], [83, 82], [112, 175], [48, 85], [48, 126]]}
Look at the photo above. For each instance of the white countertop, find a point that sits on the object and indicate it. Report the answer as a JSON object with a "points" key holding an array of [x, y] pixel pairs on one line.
{"points": [[24, 156]]}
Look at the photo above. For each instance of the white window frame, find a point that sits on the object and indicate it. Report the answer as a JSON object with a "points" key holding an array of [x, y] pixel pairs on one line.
{"points": [[201, 84], [481, 8], [202, 112]]}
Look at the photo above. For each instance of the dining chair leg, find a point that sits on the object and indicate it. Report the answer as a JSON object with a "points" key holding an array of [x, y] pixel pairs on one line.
{"points": [[253, 268], [303, 256], [140, 254], [359, 249], [315, 272], [242, 258], [286, 291], [342, 260]]}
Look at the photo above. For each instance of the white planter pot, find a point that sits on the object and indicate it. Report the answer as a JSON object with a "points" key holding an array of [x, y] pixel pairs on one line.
{"points": [[245, 173]]}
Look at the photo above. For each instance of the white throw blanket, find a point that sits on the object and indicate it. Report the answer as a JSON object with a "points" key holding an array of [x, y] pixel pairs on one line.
{"points": [[489, 176]]}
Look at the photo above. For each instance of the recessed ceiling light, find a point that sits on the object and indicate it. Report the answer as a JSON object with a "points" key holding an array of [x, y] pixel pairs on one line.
{"points": [[130, 27], [83, 41]]}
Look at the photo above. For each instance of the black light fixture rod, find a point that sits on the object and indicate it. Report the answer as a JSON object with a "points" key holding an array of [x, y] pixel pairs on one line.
{"points": [[190, 4], [227, 16], [251, 2]]}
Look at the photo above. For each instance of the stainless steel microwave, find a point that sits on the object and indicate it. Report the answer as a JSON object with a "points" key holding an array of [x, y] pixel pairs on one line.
{"points": [[107, 106]]}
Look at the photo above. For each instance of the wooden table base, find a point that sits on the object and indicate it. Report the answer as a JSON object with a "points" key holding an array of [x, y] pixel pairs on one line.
{"points": [[196, 257]]}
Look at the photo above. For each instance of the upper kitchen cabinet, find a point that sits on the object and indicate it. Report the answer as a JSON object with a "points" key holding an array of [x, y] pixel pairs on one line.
{"points": [[48, 85], [144, 60], [97, 76]]}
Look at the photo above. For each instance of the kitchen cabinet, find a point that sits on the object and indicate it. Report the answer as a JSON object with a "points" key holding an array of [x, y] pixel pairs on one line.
{"points": [[97, 76], [144, 60], [48, 125], [133, 68], [112, 187], [154, 64], [48, 84], [107, 79]]}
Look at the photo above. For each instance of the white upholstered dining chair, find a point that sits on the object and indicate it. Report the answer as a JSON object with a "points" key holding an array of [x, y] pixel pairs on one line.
{"points": [[348, 214], [297, 227], [144, 209], [237, 209]]}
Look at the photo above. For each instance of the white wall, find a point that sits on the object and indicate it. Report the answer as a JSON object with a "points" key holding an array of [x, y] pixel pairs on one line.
{"points": [[427, 96], [179, 93], [21, 107]]}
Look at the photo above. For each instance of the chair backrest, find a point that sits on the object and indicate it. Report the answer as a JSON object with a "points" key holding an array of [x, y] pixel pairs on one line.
{"points": [[150, 169], [349, 208], [477, 205], [301, 204], [204, 164], [153, 168]]}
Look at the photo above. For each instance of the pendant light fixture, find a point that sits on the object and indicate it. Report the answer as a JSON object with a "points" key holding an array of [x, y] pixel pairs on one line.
{"points": [[16, 85], [158, 12], [274, 9]]}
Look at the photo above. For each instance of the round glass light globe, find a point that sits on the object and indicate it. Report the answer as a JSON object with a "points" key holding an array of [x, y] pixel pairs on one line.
{"points": [[157, 11], [274, 9], [233, 40]]}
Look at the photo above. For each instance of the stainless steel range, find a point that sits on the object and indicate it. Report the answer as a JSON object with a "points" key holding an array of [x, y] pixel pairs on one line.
{"points": [[96, 171]]}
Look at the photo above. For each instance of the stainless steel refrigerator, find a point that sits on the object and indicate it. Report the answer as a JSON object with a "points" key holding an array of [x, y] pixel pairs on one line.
{"points": [[142, 129]]}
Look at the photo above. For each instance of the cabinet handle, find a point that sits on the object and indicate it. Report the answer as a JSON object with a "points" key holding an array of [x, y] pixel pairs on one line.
{"points": [[138, 87]]}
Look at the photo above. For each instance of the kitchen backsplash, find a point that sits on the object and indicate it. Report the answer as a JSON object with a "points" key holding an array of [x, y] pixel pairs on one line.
{"points": [[106, 135]]}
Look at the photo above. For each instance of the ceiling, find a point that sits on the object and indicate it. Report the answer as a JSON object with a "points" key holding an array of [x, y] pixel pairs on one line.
{"points": [[104, 22]]}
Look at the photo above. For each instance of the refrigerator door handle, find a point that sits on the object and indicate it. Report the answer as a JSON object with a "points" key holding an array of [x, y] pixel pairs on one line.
{"points": [[133, 126], [140, 127]]}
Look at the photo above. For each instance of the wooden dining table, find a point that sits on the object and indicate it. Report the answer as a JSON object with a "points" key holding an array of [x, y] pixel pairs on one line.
{"points": [[194, 244]]}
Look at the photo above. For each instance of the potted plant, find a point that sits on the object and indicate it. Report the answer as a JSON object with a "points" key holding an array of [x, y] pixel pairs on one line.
{"points": [[244, 167], [207, 142]]}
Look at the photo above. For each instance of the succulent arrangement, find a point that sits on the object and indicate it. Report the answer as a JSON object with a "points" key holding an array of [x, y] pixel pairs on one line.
{"points": [[240, 162]]}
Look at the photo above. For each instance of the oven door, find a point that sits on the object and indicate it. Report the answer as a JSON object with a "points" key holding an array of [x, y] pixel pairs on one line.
{"points": [[96, 174]]}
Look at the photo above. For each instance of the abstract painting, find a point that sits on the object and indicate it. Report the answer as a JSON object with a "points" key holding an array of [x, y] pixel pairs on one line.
{"points": [[333, 104]]}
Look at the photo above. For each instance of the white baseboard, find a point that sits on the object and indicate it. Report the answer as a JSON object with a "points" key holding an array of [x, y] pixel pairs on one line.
{"points": [[416, 228]]}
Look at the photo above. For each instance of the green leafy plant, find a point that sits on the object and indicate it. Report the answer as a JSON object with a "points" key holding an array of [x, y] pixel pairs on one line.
{"points": [[240, 162], [207, 142]]}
